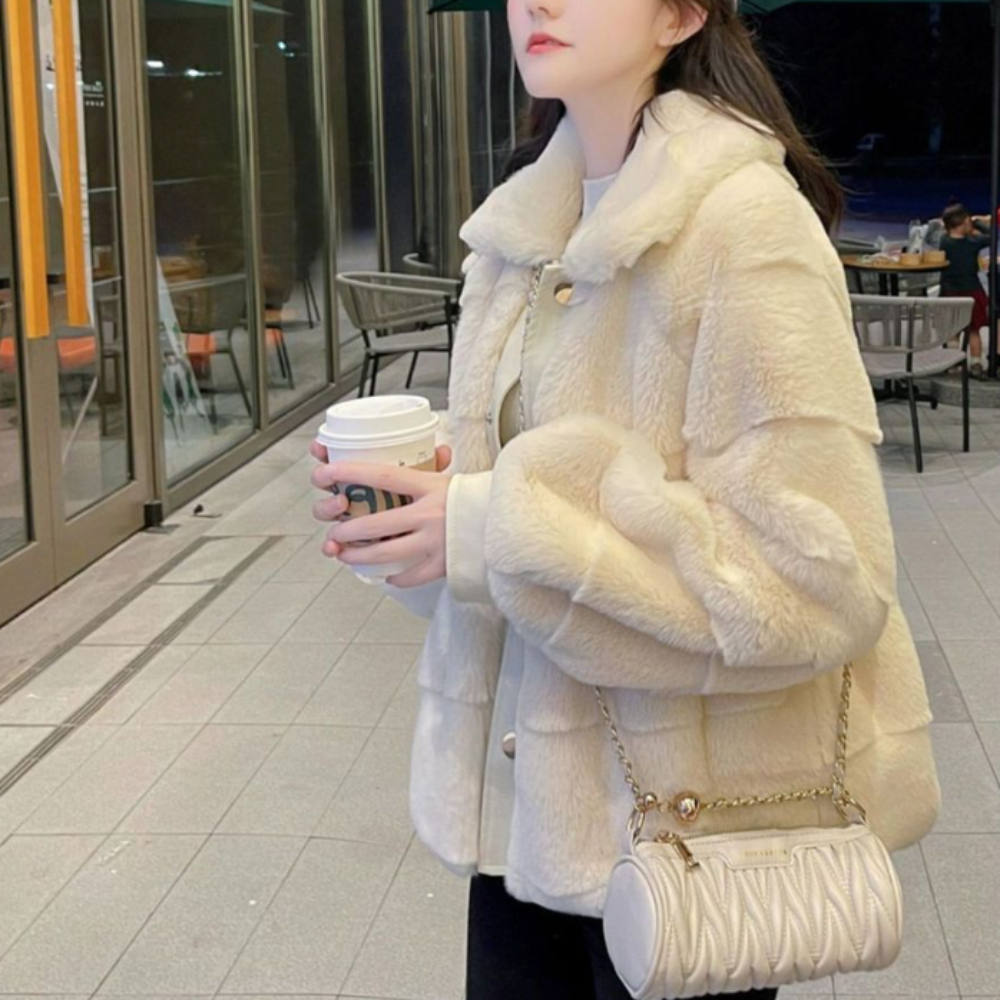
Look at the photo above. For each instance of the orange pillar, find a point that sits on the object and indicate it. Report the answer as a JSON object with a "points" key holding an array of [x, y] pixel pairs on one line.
{"points": [[28, 196], [69, 145]]}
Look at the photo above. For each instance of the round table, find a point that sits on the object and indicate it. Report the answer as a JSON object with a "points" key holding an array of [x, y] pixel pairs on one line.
{"points": [[888, 271]]}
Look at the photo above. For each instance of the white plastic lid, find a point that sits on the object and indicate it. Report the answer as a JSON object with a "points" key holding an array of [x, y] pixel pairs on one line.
{"points": [[360, 422]]}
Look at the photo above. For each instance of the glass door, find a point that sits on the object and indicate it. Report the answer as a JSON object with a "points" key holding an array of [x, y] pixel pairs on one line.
{"points": [[15, 526], [239, 220], [294, 264], [73, 433], [208, 357], [357, 179]]}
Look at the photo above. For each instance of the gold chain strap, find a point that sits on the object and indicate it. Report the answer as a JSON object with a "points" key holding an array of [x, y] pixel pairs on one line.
{"points": [[687, 806]]}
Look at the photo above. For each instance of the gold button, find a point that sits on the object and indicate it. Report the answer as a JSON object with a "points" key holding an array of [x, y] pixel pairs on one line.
{"points": [[563, 293], [509, 744]]}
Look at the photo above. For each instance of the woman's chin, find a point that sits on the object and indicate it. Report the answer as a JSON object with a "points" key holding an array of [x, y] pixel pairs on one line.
{"points": [[542, 87]]}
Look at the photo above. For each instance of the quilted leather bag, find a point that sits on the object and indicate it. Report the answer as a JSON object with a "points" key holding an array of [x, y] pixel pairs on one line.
{"points": [[689, 916]]}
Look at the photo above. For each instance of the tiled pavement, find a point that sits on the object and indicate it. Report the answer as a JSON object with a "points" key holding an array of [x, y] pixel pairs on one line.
{"points": [[232, 821]]}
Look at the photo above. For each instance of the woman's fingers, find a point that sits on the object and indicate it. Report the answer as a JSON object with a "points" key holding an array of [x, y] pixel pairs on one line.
{"points": [[392, 535], [372, 527], [403, 549], [444, 455], [330, 508], [331, 548], [321, 479], [409, 482]]}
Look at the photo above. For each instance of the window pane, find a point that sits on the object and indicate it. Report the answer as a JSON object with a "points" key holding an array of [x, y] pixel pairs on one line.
{"points": [[198, 190], [351, 66], [90, 341], [292, 209]]}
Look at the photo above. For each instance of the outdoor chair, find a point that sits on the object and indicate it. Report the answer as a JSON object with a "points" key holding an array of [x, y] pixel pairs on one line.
{"points": [[928, 283], [903, 339], [850, 244], [858, 281], [210, 311], [399, 314], [413, 264]]}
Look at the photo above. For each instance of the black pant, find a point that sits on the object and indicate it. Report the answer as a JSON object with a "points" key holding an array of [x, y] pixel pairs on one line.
{"points": [[518, 951]]}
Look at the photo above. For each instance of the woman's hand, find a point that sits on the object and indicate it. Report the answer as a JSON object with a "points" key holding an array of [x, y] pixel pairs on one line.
{"points": [[414, 534]]}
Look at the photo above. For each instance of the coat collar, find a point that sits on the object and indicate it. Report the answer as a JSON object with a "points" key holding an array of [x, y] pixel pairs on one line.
{"points": [[684, 149]]}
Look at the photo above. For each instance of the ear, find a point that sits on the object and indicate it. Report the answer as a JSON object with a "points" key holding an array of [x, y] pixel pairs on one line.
{"points": [[679, 21]]}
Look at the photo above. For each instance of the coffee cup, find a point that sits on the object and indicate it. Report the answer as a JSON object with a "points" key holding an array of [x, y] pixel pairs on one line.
{"points": [[381, 430]]}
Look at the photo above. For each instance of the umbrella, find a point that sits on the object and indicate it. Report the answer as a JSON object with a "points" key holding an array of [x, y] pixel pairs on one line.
{"points": [[765, 6]]}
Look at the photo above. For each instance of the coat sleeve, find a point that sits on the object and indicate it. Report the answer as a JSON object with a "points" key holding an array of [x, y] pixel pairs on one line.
{"points": [[465, 531], [772, 558]]}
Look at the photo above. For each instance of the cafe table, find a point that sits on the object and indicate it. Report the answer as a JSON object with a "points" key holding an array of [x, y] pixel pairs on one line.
{"points": [[888, 271]]}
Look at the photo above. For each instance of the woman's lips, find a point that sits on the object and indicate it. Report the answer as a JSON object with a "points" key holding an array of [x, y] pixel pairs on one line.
{"points": [[539, 43]]}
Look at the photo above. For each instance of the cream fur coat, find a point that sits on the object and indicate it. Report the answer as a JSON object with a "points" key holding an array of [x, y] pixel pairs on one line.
{"points": [[697, 522]]}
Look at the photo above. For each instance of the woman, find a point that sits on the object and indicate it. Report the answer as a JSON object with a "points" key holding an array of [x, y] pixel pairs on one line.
{"points": [[694, 517]]}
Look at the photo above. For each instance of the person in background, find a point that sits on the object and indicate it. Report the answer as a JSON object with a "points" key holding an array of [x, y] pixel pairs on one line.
{"points": [[965, 236]]}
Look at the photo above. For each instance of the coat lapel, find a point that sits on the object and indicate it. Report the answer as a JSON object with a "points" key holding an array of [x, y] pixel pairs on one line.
{"points": [[685, 148]]}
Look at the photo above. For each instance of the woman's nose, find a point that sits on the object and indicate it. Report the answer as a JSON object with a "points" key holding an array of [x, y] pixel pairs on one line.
{"points": [[546, 7]]}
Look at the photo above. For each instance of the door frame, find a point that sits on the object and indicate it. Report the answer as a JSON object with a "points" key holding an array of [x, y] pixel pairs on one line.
{"points": [[95, 531], [60, 547], [268, 428]]}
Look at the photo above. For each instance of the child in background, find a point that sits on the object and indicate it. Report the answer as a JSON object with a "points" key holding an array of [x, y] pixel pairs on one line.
{"points": [[965, 235]]}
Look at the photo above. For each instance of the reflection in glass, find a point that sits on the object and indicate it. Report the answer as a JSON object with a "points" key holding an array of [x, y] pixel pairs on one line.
{"points": [[353, 100], [13, 514], [292, 209], [198, 190], [83, 233]]}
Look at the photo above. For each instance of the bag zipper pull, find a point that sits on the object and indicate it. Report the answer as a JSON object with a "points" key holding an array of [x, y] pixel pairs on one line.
{"points": [[682, 849]]}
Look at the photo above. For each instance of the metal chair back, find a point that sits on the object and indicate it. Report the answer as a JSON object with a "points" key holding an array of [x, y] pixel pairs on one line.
{"points": [[890, 324], [387, 302], [216, 304], [412, 264]]}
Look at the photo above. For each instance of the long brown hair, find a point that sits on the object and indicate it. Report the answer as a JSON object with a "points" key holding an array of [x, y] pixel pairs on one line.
{"points": [[720, 63]]}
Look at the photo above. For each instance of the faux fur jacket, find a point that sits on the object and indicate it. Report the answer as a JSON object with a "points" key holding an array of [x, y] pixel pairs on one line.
{"points": [[697, 521]]}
